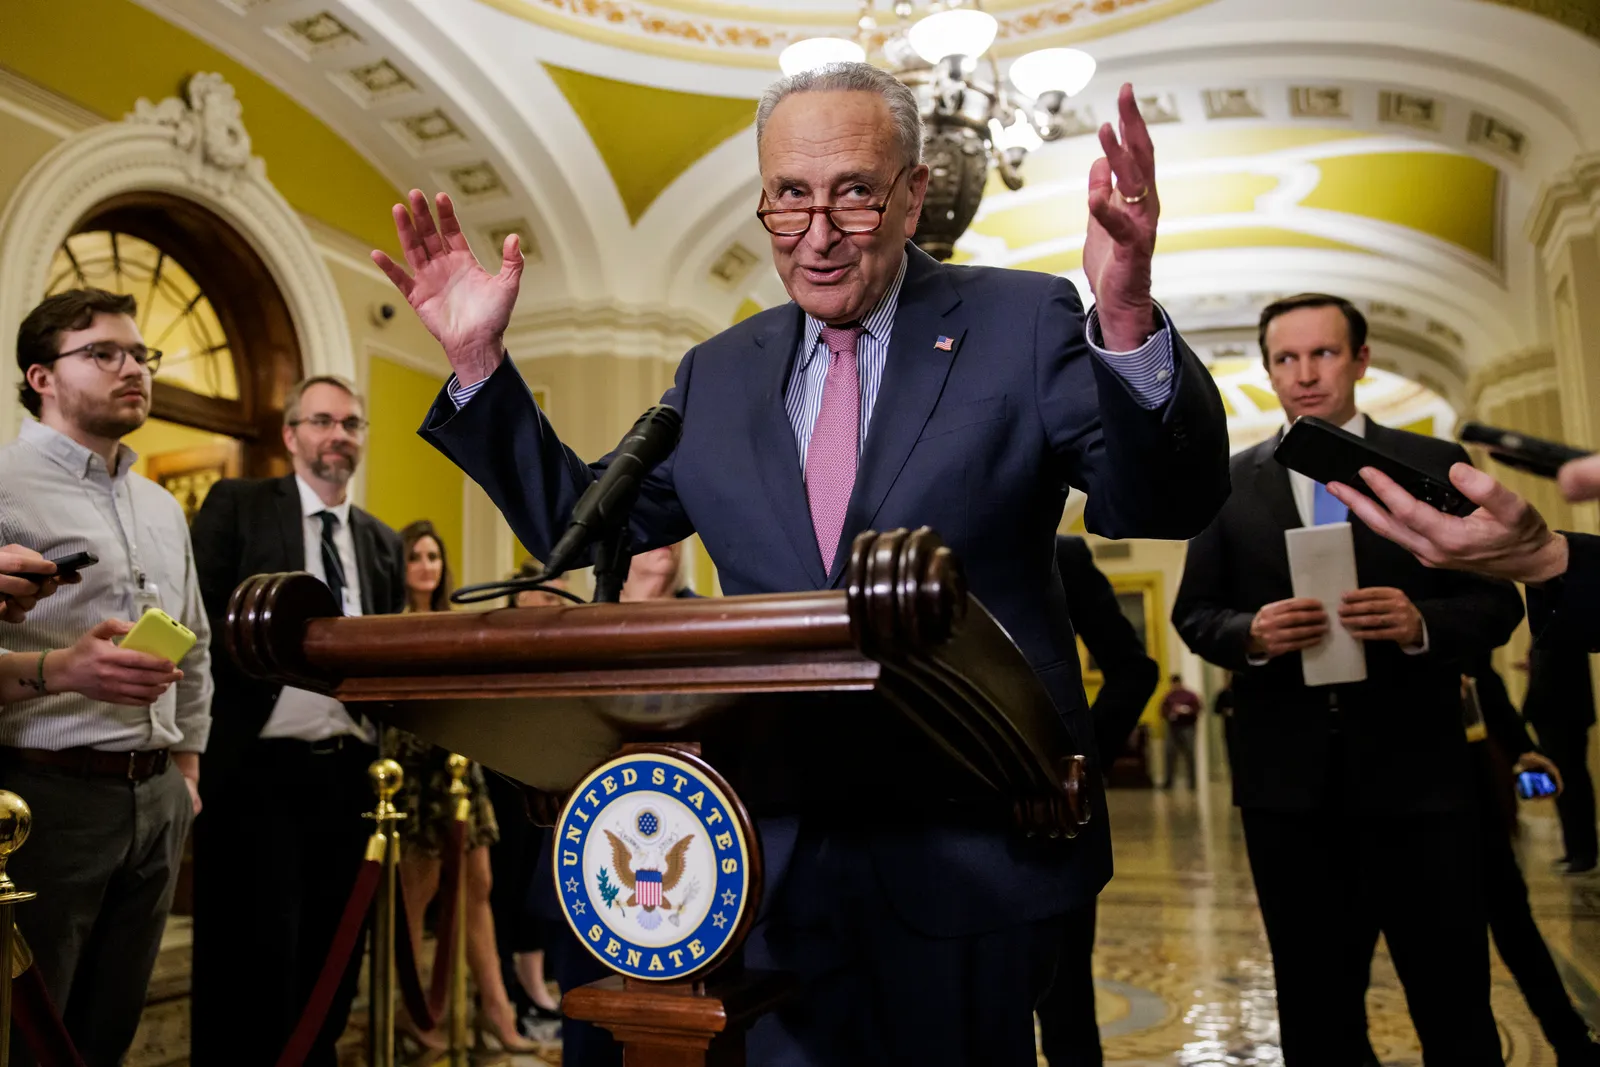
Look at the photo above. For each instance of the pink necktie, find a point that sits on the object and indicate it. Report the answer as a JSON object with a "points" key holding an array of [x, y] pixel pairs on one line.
{"points": [[835, 441]]}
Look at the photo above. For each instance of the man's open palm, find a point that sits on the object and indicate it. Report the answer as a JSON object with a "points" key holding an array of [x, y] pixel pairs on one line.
{"points": [[465, 307]]}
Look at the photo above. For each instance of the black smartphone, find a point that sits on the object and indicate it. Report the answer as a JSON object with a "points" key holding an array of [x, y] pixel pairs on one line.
{"points": [[1325, 453], [1532, 454], [65, 566], [1532, 785]]}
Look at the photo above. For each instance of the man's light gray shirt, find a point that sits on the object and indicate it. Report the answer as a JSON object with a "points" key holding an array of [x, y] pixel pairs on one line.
{"points": [[57, 497]]}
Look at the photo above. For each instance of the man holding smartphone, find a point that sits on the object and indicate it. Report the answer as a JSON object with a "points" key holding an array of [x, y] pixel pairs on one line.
{"points": [[102, 742], [1356, 799]]}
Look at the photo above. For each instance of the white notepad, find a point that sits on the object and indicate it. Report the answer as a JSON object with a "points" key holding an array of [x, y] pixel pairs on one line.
{"points": [[1322, 566]]}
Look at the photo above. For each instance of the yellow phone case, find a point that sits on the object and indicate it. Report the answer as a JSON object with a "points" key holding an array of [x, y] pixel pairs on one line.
{"points": [[159, 634]]}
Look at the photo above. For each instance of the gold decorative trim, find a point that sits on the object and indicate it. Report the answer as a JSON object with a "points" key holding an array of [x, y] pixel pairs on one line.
{"points": [[727, 35], [1573, 14]]}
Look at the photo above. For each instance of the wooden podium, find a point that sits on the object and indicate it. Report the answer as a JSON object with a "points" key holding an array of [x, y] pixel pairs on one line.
{"points": [[652, 735]]}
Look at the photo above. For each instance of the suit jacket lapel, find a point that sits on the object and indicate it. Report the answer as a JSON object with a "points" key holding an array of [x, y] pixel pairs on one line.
{"points": [[913, 379], [1272, 482], [366, 560], [776, 455], [291, 523]]}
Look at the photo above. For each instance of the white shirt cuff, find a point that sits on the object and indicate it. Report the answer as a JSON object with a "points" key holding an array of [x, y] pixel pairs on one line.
{"points": [[1148, 370], [1421, 647], [459, 394]]}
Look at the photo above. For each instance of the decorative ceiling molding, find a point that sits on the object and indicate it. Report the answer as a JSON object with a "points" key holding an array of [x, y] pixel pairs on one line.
{"points": [[606, 329], [40, 107], [1568, 206], [195, 147], [1520, 374], [727, 34]]}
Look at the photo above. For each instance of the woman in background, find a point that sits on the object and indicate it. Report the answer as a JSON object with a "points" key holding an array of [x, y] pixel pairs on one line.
{"points": [[425, 797], [525, 929]]}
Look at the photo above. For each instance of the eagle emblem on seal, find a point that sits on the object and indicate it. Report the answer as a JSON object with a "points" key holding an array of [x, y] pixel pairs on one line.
{"points": [[649, 885]]}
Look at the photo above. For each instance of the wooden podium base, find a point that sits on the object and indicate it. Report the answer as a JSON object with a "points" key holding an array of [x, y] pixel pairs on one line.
{"points": [[679, 1024]]}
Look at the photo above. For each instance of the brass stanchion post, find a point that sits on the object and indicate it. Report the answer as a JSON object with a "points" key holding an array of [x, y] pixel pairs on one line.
{"points": [[460, 1055], [386, 778], [16, 819]]}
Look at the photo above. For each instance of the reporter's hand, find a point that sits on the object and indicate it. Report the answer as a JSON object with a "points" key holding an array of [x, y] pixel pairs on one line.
{"points": [[1287, 626], [1534, 761], [1580, 479], [1381, 613], [19, 595], [98, 669], [465, 307], [1505, 538]]}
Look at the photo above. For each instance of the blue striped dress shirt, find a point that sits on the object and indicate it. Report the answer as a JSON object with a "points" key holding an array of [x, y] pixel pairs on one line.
{"points": [[1148, 370]]}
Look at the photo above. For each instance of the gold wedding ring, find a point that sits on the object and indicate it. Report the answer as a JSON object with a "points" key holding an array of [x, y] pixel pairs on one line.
{"points": [[1144, 191]]}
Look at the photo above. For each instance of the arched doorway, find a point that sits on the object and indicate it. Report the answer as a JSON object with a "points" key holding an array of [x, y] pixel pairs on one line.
{"points": [[210, 303]]}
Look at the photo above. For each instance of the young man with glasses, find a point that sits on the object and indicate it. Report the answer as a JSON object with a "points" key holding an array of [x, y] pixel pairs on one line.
{"points": [[260, 942], [103, 743]]}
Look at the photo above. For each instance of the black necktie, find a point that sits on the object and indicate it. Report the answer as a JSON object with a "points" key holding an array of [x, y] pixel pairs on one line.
{"points": [[332, 569]]}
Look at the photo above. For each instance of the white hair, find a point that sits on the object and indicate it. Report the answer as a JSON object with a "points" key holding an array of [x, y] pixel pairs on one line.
{"points": [[856, 78]]}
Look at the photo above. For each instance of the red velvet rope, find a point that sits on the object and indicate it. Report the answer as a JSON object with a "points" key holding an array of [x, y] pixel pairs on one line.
{"points": [[427, 1009], [333, 969], [40, 1023]]}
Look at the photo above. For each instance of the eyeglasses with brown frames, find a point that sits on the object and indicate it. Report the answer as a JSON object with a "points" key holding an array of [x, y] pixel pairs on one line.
{"points": [[794, 221]]}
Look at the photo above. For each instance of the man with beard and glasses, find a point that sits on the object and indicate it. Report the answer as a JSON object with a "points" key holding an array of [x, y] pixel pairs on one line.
{"points": [[259, 942], [103, 743]]}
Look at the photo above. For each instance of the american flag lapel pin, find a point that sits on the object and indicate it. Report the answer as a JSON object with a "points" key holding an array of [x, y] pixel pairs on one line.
{"points": [[943, 343]]}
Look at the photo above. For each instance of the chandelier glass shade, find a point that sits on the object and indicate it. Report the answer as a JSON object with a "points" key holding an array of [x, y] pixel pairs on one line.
{"points": [[818, 52], [961, 31], [974, 121]]}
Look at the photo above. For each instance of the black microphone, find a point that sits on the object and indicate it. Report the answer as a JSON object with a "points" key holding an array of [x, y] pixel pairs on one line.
{"points": [[604, 506]]}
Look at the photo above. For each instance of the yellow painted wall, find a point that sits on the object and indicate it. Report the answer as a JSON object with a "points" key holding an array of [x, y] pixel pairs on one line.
{"points": [[649, 136], [408, 479], [105, 54]]}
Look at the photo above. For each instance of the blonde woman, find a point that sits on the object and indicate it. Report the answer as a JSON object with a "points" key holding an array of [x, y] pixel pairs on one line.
{"points": [[425, 796]]}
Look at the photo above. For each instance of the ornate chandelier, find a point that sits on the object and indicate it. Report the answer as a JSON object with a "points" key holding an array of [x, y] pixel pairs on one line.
{"points": [[972, 119]]}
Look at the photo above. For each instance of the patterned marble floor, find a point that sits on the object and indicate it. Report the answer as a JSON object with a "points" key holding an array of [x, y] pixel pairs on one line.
{"points": [[1184, 978], [1183, 973]]}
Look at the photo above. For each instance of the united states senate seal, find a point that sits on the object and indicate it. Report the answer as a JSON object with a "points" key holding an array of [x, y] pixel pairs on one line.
{"points": [[652, 865]]}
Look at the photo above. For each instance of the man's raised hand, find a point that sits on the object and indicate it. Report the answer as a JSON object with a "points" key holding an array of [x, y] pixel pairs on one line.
{"points": [[1122, 228], [465, 307]]}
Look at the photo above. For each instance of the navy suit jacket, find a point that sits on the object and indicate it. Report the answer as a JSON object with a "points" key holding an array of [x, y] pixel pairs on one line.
{"points": [[980, 442]]}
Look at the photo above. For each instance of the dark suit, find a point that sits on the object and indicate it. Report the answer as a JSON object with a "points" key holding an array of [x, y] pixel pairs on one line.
{"points": [[1560, 705], [1562, 613], [1069, 1034], [1357, 800], [281, 837], [1516, 935], [979, 442]]}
